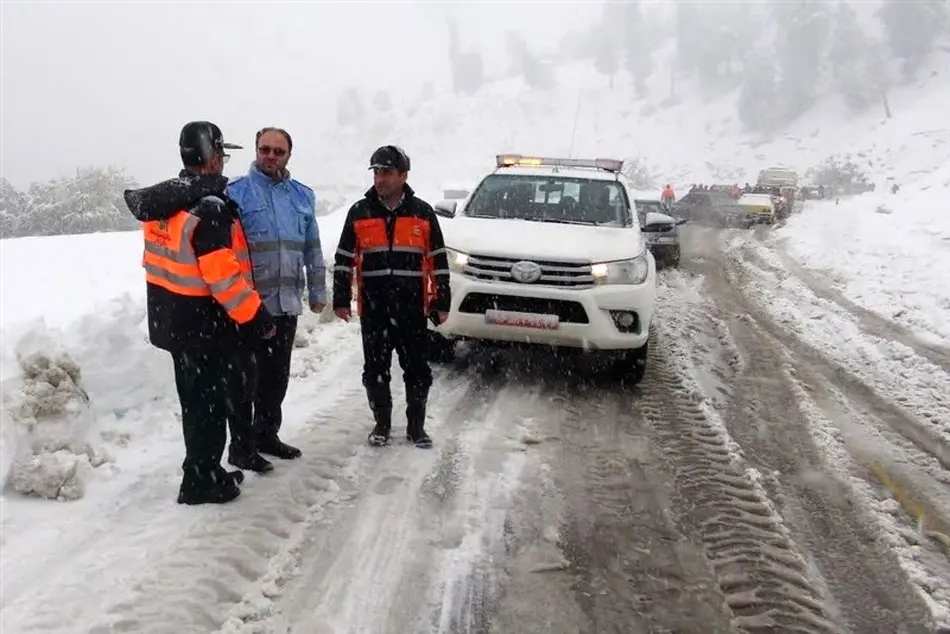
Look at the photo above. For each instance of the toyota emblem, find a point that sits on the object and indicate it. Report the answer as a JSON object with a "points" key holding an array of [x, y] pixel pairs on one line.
{"points": [[525, 272]]}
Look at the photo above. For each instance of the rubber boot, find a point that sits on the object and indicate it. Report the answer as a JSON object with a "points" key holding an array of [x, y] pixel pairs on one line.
{"points": [[415, 423]]}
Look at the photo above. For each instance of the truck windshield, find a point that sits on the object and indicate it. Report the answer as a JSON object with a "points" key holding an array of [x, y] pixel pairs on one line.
{"points": [[551, 199]]}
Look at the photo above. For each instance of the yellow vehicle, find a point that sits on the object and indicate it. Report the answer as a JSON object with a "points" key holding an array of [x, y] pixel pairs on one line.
{"points": [[759, 208]]}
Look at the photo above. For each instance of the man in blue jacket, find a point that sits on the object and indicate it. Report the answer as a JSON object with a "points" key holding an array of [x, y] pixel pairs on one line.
{"points": [[278, 214]]}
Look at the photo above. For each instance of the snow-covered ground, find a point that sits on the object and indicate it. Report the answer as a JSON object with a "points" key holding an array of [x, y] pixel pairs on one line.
{"points": [[106, 440], [890, 253]]}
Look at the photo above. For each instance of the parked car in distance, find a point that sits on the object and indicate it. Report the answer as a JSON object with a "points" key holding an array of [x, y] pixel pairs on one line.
{"points": [[660, 230]]}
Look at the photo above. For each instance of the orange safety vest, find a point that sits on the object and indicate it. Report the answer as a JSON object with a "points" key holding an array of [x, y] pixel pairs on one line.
{"points": [[170, 262], [410, 236]]}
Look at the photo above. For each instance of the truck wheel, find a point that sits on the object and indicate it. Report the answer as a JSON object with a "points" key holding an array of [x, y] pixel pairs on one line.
{"points": [[673, 257], [631, 366]]}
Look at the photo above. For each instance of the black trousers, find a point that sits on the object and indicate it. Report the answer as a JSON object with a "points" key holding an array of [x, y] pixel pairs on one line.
{"points": [[208, 385], [258, 415], [384, 331]]}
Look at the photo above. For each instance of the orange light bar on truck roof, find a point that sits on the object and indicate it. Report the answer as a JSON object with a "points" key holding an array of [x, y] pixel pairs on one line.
{"points": [[606, 164]]}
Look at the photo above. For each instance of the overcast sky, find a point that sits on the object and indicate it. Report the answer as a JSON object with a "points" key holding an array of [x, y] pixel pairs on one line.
{"points": [[87, 84]]}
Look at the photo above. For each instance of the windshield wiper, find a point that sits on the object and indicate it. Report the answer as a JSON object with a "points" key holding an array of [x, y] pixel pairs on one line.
{"points": [[562, 221]]}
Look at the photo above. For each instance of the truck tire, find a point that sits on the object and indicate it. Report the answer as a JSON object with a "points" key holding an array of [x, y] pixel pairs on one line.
{"points": [[631, 367]]}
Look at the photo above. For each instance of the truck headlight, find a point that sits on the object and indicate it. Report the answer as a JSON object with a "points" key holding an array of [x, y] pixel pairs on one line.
{"points": [[633, 271], [457, 260]]}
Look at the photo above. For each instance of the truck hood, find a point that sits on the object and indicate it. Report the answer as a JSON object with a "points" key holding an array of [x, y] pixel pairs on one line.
{"points": [[527, 239]]}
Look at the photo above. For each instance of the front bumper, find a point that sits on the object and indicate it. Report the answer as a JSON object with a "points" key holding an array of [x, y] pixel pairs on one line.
{"points": [[590, 318]]}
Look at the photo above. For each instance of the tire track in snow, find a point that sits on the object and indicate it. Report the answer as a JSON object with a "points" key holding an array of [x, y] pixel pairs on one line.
{"points": [[366, 568], [470, 518], [776, 436], [633, 570], [766, 581]]}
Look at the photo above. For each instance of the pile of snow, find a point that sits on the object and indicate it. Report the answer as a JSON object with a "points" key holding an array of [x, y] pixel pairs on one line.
{"points": [[889, 253], [45, 423]]}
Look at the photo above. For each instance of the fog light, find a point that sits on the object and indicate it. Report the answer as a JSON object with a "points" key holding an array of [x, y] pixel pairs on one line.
{"points": [[626, 320]]}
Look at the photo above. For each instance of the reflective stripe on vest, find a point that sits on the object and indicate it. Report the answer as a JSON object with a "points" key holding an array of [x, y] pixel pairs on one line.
{"points": [[171, 263]]}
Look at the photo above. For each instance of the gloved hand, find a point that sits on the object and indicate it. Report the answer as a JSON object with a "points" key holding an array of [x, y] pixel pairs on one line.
{"points": [[262, 325]]}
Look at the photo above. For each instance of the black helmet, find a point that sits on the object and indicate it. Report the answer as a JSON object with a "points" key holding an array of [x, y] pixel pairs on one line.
{"points": [[199, 141], [390, 156]]}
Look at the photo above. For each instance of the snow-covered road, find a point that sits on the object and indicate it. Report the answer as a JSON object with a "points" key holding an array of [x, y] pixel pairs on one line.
{"points": [[747, 485]]}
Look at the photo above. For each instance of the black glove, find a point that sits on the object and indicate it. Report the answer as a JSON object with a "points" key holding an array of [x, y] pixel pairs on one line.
{"points": [[261, 325]]}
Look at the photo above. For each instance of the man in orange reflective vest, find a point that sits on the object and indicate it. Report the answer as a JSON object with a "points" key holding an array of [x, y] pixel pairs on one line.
{"points": [[392, 243], [202, 306]]}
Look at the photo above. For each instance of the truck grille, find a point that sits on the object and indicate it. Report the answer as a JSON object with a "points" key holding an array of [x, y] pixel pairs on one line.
{"points": [[553, 273], [567, 311]]}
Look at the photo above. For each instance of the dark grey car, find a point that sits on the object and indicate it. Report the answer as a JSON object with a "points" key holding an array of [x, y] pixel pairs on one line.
{"points": [[710, 209]]}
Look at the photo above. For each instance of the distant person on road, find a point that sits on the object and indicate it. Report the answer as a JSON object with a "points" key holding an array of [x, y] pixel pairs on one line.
{"points": [[202, 305], [667, 198], [392, 243], [279, 216]]}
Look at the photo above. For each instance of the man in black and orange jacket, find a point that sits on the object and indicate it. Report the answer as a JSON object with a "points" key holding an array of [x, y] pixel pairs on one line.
{"points": [[202, 306], [392, 244]]}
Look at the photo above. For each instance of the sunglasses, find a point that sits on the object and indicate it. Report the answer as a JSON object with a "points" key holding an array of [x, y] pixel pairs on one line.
{"points": [[276, 151]]}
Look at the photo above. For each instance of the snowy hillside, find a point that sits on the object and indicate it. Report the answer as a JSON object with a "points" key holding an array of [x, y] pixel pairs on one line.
{"points": [[454, 140], [108, 437]]}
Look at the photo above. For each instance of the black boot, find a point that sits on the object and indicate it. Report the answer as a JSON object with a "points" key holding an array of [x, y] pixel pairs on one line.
{"points": [[250, 461], [381, 403], [415, 424], [274, 446], [236, 476], [216, 487], [379, 437]]}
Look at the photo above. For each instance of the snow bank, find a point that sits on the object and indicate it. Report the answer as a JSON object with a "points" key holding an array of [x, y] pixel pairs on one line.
{"points": [[60, 278], [888, 253], [72, 306]]}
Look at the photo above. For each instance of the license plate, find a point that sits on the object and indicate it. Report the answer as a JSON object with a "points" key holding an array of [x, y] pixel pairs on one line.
{"points": [[521, 320]]}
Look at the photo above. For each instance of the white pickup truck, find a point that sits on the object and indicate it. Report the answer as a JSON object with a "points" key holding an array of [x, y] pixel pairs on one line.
{"points": [[549, 251]]}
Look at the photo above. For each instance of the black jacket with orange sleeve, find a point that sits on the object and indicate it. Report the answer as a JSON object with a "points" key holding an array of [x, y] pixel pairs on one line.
{"points": [[199, 283], [397, 258]]}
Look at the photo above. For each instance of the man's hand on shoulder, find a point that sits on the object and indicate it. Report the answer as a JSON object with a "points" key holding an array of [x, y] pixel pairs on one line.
{"points": [[211, 208]]}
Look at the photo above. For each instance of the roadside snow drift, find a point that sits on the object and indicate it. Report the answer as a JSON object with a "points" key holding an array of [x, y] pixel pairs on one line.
{"points": [[888, 253]]}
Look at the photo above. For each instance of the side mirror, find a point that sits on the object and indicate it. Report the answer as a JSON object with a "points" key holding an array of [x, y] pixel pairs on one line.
{"points": [[445, 208]]}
